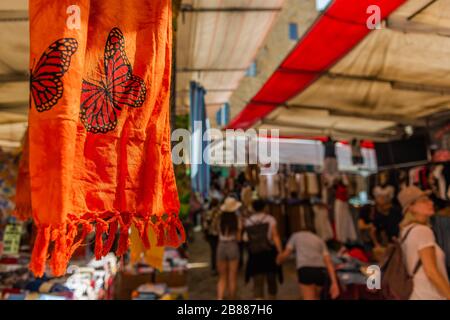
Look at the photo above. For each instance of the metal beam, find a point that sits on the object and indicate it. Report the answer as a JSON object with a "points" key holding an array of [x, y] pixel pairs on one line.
{"points": [[287, 124], [415, 14], [344, 113], [15, 107], [194, 70], [290, 128], [14, 77], [191, 9], [13, 15], [363, 114], [399, 85], [208, 90], [407, 26]]}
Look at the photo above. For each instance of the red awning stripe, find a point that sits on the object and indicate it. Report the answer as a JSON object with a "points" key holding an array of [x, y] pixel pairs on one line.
{"points": [[333, 35]]}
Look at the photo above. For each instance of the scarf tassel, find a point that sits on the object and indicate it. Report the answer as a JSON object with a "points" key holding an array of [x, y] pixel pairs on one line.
{"points": [[39, 255], [168, 233], [123, 243], [59, 257], [111, 236], [101, 227]]}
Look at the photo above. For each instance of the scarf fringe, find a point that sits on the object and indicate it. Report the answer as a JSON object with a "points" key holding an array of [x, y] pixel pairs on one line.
{"points": [[22, 211], [56, 244]]}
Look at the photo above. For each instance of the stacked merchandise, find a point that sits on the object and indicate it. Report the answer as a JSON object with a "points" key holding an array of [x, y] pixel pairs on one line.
{"points": [[161, 291], [86, 279], [432, 176], [144, 282], [91, 281], [8, 175]]}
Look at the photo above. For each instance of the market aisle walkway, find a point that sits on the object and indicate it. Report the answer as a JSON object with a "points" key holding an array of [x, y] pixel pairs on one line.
{"points": [[202, 285]]}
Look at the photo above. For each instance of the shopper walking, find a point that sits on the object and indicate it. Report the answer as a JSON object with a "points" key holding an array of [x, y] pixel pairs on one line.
{"points": [[211, 226], [425, 260], [264, 244], [314, 266], [196, 207], [228, 248]]}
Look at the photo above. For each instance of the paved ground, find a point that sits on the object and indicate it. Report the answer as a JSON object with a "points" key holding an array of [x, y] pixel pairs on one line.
{"points": [[202, 285]]}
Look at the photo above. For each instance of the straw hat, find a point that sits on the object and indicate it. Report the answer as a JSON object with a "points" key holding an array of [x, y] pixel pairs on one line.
{"points": [[230, 205], [408, 195]]}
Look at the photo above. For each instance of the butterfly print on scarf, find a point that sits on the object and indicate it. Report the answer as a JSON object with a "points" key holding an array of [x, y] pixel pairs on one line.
{"points": [[102, 100], [46, 87]]}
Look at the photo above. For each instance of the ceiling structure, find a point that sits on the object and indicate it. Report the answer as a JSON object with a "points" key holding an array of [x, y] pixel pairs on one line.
{"points": [[14, 55], [344, 80], [395, 76], [217, 41]]}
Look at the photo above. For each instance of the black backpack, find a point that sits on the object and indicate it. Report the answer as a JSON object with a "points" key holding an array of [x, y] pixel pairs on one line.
{"points": [[257, 237]]}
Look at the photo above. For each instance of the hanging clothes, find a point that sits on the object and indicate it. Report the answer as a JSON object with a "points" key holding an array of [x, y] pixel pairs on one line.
{"points": [[330, 148], [277, 186], [330, 170], [301, 180], [357, 158], [152, 256], [414, 176], [292, 185], [360, 184], [247, 196], [312, 184], [402, 179], [344, 225], [387, 192], [101, 94], [441, 183], [271, 185], [446, 173], [200, 168], [322, 222], [263, 187], [441, 228]]}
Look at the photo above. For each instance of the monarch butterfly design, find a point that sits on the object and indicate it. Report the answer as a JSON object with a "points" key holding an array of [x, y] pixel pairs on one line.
{"points": [[102, 100], [46, 87]]}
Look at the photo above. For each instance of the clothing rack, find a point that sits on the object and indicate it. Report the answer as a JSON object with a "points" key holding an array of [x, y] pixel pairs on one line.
{"points": [[404, 165]]}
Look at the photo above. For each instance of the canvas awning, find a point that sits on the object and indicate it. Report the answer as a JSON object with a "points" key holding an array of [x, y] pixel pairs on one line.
{"points": [[216, 43], [14, 84], [347, 80]]}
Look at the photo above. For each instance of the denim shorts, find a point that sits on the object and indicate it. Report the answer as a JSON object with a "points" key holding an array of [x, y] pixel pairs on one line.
{"points": [[227, 251]]}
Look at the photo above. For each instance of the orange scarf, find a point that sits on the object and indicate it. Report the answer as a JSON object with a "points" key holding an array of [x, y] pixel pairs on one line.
{"points": [[99, 132]]}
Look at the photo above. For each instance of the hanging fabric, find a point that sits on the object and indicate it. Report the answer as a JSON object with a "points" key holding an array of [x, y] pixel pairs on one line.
{"points": [[152, 256], [344, 225], [200, 169], [441, 183], [99, 132], [322, 222], [312, 184]]}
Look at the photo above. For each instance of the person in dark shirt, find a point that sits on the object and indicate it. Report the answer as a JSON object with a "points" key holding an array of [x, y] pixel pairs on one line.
{"points": [[387, 219], [366, 225]]}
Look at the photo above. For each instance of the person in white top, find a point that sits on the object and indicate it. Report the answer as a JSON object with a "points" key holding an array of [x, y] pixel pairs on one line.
{"points": [[230, 229], [420, 248], [314, 266]]}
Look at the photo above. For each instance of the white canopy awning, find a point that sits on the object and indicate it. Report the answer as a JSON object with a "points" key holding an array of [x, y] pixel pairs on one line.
{"points": [[396, 76], [14, 85], [217, 42]]}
